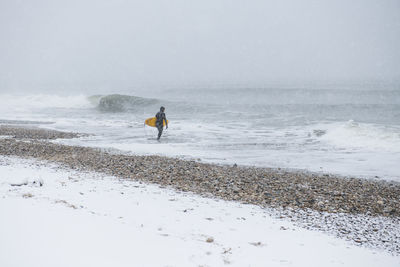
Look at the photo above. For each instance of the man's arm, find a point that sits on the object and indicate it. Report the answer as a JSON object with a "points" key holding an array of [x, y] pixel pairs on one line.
{"points": [[166, 122]]}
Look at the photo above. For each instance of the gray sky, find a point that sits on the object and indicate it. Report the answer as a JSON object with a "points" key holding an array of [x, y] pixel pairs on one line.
{"points": [[115, 44]]}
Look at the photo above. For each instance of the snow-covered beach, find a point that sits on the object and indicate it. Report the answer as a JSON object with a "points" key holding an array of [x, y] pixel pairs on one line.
{"points": [[89, 219], [53, 215]]}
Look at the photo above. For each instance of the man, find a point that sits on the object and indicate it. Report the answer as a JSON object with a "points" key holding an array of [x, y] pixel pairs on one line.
{"points": [[160, 116]]}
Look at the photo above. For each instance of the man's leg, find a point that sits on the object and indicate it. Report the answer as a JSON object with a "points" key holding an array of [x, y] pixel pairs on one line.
{"points": [[160, 130]]}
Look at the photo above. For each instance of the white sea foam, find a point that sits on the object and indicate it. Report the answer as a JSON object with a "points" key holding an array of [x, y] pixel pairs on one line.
{"points": [[363, 136], [40, 101]]}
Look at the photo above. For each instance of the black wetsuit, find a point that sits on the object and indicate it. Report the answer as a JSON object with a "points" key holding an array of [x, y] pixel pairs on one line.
{"points": [[160, 116]]}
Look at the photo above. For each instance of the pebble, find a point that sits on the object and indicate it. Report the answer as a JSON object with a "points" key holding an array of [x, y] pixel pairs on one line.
{"points": [[210, 240]]}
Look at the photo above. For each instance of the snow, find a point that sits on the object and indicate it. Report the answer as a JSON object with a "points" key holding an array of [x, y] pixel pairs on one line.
{"points": [[90, 219]]}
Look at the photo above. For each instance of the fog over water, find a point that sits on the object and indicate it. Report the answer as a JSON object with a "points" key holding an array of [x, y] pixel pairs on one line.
{"points": [[104, 45]]}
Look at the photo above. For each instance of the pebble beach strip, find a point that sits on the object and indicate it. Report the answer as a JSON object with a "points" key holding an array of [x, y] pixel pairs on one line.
{"points": [[366, 212]]}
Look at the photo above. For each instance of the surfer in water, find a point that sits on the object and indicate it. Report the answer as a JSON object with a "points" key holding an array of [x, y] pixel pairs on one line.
{"points": [[160, 116]]}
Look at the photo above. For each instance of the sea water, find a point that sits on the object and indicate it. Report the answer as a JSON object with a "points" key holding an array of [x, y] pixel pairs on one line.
{"points": [[350, 131]]}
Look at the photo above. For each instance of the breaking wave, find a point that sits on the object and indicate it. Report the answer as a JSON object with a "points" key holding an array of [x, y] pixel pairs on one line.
{"points": [[12, 103], [105, 103], [352, 134], [121, 103]]}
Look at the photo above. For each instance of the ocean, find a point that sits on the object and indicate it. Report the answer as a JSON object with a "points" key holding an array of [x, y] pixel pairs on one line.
{"points": [[349, 131]]}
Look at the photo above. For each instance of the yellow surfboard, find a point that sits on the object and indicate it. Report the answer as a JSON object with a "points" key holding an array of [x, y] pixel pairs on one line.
{"points": [[152, 122]]}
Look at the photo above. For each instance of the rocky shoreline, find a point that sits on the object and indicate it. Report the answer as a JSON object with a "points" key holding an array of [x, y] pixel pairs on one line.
{"points": [[35, 133], [265, 187]]}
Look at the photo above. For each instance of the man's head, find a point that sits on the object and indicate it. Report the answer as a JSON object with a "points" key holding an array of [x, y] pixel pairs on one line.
{"points": [[162, 109]]}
